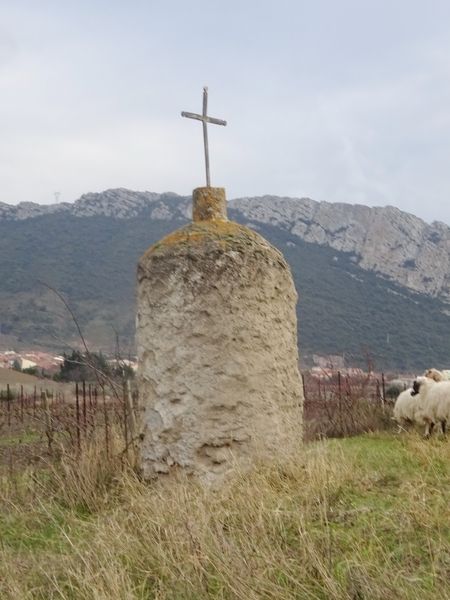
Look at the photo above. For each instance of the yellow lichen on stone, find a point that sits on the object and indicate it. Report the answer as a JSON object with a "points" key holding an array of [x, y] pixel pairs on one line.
{"points": [[210, 226], [223, 233], [209, 204]]}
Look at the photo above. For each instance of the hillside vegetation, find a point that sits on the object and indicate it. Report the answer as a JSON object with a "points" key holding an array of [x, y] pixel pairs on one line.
{"points": [[346, 310], [360, 518], [92, 261]]}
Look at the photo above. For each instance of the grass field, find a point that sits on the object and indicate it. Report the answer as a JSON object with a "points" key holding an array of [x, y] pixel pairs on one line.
{"points": [[366, 517], [17, 380], [12, 376]]}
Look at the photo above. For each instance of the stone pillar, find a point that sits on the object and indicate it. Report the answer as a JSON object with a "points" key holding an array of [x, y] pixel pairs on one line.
{"points": [[209, 204], [216, 333]]}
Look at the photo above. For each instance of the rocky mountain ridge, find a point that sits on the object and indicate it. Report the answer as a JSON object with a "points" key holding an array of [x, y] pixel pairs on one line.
{"points": [[117, 203], [385, 240]]}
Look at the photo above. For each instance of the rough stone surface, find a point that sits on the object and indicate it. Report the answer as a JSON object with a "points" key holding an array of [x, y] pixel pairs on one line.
{"points": [[209, 204], [217, 352]]}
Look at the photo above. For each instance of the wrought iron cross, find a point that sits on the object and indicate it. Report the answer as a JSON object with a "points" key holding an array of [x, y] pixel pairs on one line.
{"points": [[205, 119]]}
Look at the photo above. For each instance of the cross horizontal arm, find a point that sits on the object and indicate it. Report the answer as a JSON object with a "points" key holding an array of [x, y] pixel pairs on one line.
{"points": [[215, 121], [202, 118], [192, 116]]}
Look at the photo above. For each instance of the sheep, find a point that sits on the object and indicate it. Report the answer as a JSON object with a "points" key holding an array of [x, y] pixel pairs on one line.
{"points": [[434, 402], [406, 408], [394, 387], [437, 375], [443, 409]]}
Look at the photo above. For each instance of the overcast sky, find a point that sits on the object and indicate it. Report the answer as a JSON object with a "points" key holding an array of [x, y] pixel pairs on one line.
{"points": [[343, 100]]}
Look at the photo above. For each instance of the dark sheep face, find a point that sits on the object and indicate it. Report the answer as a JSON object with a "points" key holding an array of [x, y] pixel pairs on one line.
{"points": [[416, 388]]}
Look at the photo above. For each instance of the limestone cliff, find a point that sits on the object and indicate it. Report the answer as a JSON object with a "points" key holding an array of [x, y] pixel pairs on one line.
{"points": [[387, 240]]}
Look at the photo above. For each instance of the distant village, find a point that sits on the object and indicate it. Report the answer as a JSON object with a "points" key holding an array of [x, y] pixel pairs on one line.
{"points": [[44, 364]]}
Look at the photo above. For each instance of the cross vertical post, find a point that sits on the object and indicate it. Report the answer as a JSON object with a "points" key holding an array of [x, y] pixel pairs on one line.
{"points": [[205, 120], [205, 135]]}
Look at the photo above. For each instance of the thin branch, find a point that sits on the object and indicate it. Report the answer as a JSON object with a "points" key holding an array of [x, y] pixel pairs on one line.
{"points": [[98, 373]]}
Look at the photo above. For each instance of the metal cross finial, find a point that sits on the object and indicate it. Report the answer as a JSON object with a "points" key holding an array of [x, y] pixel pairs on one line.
{"points": [[205, 119]]}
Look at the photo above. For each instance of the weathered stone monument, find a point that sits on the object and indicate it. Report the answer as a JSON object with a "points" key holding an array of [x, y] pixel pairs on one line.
{"points": [[218, 371]]}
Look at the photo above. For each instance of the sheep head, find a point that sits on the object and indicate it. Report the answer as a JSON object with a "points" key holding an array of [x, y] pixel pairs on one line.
{"points": [[420, 382], [434, 374]]}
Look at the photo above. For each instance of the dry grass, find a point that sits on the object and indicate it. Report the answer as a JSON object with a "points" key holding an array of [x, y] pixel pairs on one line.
{"points": [[338, 406], [12, 376], [360, 518]]}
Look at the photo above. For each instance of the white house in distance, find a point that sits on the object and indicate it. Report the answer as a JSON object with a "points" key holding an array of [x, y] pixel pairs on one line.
{"points": [[24, 363]]}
